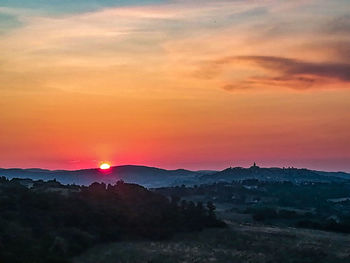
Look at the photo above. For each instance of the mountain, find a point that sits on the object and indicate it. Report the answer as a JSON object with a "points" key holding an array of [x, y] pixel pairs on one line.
{"points": [[274, 174], [143, 175], [155, 177]]}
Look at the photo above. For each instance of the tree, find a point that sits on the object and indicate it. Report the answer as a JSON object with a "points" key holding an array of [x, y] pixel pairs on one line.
{"points": [[211, 210]]}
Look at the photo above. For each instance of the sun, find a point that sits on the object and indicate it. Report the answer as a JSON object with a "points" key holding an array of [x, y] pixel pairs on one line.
{"points": [[105, 166]]}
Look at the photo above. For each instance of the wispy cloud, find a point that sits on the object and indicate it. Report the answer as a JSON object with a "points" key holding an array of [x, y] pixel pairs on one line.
{"points": [[293, 67], [234, 43], [280, 72], [340, 25], [150, 77]]}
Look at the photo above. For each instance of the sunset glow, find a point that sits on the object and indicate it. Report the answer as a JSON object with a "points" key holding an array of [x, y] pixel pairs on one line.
{"points": [[175, 84], [105, 166]]}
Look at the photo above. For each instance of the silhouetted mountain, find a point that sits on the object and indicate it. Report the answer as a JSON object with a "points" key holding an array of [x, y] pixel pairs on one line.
{"points": [[156, 177], [205, 172], [275, 174], [146, 176], [334, 174]]}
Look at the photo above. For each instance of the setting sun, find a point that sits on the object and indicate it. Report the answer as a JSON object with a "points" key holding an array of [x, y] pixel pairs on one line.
{"points": [[105, 166]]}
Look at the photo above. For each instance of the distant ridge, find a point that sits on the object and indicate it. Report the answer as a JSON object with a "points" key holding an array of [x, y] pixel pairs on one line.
{"points": [[144, 175], [275, 174], [157, 177]]}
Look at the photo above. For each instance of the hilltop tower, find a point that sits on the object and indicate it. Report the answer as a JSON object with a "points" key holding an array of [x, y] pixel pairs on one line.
{"points": [[254, 166]]}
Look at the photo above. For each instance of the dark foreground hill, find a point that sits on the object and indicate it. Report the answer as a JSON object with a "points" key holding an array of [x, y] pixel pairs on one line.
{"points": [[50, 222]]}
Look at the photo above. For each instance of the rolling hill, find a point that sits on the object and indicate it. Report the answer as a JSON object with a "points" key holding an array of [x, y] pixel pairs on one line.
{"points": [[143, 175], [155, 177]]}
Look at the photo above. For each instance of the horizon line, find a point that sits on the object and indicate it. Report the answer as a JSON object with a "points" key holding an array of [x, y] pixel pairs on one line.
{"points": [[196, 170]]}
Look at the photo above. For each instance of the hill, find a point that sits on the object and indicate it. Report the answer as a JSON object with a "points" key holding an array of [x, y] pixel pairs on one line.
{"points": [[153, 177], [274, 174], [143, 175], [51, 222]]}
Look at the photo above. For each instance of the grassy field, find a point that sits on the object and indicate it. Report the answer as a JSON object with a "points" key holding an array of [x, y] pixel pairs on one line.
{"points": [[238, 243]]}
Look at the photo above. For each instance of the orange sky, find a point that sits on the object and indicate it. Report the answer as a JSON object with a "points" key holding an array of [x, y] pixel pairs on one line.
{"points": [[191, 84]]}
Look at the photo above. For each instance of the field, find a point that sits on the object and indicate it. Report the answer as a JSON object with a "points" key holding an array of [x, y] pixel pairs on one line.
{"points": [[272, 238], [237, 243]]}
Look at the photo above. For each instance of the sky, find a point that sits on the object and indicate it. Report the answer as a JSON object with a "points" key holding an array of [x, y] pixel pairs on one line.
{"points": [[196, 84]]}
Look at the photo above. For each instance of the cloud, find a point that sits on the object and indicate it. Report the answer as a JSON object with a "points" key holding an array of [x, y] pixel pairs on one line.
{"points": [[273, 71], [342, 49], [340, 24], [76, 6], [111, 36], [244, 85], [173, 37], [298, 68]]}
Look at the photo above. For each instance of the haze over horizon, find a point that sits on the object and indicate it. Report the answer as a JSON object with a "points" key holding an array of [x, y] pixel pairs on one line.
{"points": [[175, 84], [177, 168]]}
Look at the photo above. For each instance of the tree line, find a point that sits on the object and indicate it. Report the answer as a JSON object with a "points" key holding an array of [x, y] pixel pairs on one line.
{"points": [[41, 224]]}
